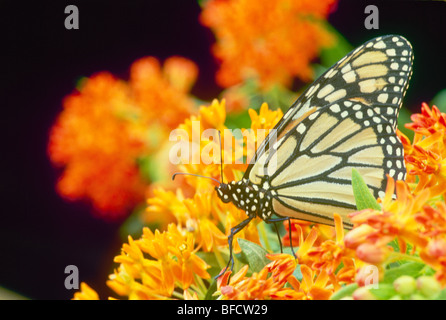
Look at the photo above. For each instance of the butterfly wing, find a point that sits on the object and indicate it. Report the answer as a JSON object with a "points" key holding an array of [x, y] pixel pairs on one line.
{"points": [[346, 119], [309, 170], [376, 74]]}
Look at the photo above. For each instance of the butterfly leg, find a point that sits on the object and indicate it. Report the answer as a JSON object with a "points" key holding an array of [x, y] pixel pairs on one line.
{"points": [[289, 230], [291, 238], [234, 231], [278, 237]]}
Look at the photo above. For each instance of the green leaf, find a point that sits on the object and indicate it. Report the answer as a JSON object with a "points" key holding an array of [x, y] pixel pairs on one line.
{"points": [[441, 295], [134, 224], [298, 273], [364, 198], [211, 290], [345, 291], [440, 100], [403, 118], [212, 261], [254, 254], [149, 169], [329, 56], [412, 269], [384, 292]]}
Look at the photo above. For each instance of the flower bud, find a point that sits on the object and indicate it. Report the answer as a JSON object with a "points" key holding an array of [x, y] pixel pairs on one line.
{"points": [[363, 293], [428, 286], [405, 285], [357, 236], [437, 248], [371, 253]]}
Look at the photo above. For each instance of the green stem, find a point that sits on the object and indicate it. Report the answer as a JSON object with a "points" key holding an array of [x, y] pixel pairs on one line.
{"points": [[263, 234], [218, 257], [177, 295], [395, 256], [201, 290]]}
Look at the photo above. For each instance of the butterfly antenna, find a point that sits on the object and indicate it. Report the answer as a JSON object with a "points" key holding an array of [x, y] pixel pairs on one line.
{"points": [[221, 156], [195, 175]]}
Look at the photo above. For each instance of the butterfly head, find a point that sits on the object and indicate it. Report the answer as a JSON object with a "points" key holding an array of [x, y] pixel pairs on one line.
{"points": [[224, 192], [227, 192]]}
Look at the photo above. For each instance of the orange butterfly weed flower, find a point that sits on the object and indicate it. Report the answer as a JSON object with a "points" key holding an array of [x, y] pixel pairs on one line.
{"points": [[86, 293], [261, 125], [162, 92], [196, 215], [92, 140], [373, 230], [207, 163], [433, 219], [198, 210], [269, 283], [257, 286], [426, 156], [331, 254], [202, 220], [153, 266], [312, 286], [428, 122], [164, 207], [107, 125], [273, 41]]}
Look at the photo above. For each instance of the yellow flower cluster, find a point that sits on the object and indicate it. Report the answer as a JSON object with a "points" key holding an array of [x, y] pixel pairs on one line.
{"points": [[156, 264]]}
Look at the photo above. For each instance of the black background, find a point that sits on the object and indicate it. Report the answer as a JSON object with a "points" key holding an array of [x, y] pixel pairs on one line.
{"points": [[41, 61]]}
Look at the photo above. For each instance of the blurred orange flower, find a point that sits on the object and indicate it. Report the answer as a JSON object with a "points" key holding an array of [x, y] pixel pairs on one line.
{"points": [[273, 41], [92, 140], [107, 125]]}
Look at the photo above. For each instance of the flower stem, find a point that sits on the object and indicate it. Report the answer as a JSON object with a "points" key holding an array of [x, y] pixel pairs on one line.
{"points": [[395, 256], [218, 257], [264, 235]]}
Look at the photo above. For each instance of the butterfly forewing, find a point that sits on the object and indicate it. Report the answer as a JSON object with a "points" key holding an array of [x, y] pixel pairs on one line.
{"points": [[376, 74]]}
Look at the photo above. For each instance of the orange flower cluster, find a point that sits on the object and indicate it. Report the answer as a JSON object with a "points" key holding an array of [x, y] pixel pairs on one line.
{"points": [[202, 213], [273, 41], [426, 156], [175, 271], [416, 218], [153, 266], [324, 268], [107, 125], [270, 282]]}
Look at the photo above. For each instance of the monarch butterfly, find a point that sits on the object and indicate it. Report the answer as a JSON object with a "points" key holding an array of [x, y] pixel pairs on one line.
{"points": [[346, 119]]}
